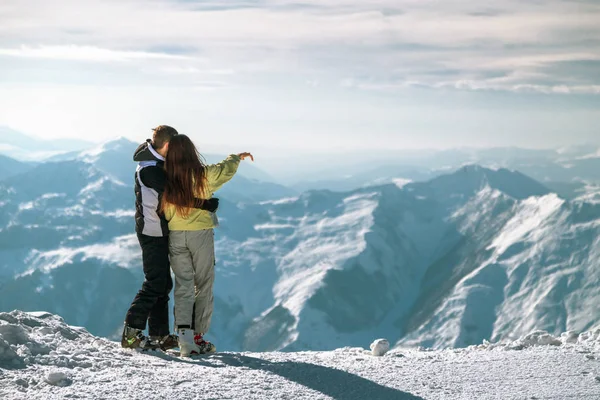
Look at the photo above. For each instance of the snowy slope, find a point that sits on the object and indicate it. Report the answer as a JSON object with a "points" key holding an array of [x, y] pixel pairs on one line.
{"points": [[56, 205], [71, 197], [41, 357], [538, 269]]}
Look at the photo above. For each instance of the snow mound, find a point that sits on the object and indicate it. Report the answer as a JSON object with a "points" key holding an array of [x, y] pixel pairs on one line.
{"points": [[40, 338], [590, 339], [537, 338], [380, 347]]}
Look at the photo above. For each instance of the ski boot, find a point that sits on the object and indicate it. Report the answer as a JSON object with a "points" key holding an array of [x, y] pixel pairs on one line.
{"points": [[167, 342], [133, 338], [205, 347], [187, 346]]}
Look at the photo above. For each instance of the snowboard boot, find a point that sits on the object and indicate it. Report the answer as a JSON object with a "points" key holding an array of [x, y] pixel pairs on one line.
{"points": [[166, 342], [133, 338], [187, 346], [205, 347]]}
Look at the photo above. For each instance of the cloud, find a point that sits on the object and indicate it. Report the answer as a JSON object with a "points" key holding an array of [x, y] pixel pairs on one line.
{"points": [[83, 53], [190, 70], [508, 45]]}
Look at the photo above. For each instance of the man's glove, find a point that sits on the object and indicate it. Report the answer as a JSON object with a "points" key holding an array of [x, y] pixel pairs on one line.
{"points": [[210, 205]]}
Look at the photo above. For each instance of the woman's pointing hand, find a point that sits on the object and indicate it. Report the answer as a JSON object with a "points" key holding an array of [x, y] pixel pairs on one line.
{"points": [[246, 155]]}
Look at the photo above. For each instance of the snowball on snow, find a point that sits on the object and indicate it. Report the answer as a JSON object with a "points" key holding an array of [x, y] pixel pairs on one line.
{"points": [[380, 347], [58, 379]]}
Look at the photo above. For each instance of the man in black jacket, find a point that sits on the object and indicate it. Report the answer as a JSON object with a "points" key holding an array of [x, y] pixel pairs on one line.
{"points": [[151, 303]]}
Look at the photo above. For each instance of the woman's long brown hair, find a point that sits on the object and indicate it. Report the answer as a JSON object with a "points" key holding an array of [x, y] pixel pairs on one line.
{"points": [[186, 176]]}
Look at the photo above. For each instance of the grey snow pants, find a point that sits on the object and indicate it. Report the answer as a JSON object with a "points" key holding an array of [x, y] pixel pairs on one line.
{"points": [[193, 263]]}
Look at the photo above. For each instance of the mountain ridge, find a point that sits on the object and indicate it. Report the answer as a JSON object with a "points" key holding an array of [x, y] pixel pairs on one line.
{"points": [[324, 267]]}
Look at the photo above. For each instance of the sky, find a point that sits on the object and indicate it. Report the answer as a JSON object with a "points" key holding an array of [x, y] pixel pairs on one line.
{"points": [[305, 75]]}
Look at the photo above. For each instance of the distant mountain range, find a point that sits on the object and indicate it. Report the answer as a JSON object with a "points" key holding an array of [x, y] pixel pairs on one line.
{"points": [[472, 254], [566, 171], [20, 146]]}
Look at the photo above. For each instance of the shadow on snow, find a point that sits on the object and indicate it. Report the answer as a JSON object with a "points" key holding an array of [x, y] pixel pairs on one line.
{"points": [[329, 381]]}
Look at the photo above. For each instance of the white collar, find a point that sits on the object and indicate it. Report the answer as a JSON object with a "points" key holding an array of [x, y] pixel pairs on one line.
{"points": [[155, 153]]}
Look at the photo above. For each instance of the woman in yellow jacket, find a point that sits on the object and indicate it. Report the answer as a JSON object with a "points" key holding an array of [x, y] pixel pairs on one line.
{"points": [[191, 237]]}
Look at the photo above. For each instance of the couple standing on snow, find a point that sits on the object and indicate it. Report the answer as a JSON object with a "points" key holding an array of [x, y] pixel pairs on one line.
{"points": [[175, 218]]}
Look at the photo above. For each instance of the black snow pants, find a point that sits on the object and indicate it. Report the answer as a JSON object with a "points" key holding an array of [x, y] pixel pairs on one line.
{"points": [[152, 301]]}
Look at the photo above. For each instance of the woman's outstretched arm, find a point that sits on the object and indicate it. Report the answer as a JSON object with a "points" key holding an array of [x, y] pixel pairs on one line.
{"points": [[221, 173]]}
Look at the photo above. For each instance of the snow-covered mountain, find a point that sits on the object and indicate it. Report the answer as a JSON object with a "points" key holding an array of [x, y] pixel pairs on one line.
{"points": [[447, 262], [77, 214], [57, 205], [400, 254], [520, 265], [41, 357]]}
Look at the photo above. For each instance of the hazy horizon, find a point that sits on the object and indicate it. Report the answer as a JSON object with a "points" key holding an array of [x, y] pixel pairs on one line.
{"points": [[273, 150]]}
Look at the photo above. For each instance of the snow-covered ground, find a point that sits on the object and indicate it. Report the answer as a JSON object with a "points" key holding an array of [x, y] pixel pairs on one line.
{"points": [[43, 358]]}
